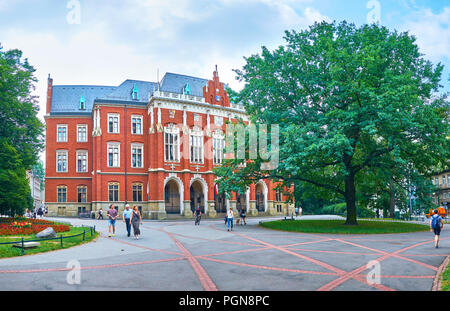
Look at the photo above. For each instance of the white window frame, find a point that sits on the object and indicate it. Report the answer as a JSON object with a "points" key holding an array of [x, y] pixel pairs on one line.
{"points": [[141, 190], [79, 152], [112, 145], [218, 147], [216, 121], [118, 122], [196, 150], [174, 131], [140, 117], [66, 153], [137, 146], [118, 191], [58, 126], [78, 193], [78, 133], [57, 193]]}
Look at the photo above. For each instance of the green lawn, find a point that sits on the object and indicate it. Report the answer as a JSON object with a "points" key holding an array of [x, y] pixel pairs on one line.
{"points": [[446, 279], [9, 251], [338, 226]]}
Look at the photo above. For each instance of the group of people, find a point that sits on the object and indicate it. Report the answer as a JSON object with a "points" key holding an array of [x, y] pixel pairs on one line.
{"points": [[131, 218], [37, 212]]}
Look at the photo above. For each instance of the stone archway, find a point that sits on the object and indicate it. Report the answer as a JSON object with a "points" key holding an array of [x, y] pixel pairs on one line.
{"points": [[173, 195], [200, 188], [261, 192], [197, 196]]}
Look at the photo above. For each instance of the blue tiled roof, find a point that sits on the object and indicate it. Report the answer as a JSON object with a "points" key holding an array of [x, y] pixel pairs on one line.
{"points": [[175, 83], [124, 91], [66, 98]]}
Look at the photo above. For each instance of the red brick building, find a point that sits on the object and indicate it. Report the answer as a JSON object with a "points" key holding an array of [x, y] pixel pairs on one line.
{"points": [[148, 144]]}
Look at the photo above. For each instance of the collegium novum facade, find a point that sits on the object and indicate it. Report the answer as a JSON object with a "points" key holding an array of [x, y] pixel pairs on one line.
{"points": [[148, 144]]}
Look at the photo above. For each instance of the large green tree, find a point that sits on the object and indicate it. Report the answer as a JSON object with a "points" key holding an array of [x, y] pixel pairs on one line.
{"points": [[19, 123], [14, 190], [21, 132], [347, 100]]}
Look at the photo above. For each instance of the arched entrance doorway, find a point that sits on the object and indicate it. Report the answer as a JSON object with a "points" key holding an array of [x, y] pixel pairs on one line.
{"points": [[260, 202], [241, 202], [220, 201], [172, 197], [197, 196]]}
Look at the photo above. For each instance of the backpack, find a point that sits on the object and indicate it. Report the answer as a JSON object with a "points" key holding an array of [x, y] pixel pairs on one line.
{"points": [[436, 221]]}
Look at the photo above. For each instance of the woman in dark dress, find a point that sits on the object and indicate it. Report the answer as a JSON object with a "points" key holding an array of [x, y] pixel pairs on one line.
{"points": [[135, 221]]}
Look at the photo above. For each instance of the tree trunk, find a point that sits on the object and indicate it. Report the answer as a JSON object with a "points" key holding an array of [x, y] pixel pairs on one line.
{"points": [[391, 202], [350, 199]]}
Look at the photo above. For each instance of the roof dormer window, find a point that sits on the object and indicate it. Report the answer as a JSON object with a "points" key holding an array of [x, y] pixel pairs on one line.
{"points": [[187, 89], [135, 93], [82, 103]]}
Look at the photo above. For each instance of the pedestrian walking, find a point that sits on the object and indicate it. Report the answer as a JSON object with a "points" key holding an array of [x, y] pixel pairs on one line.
{"points": [[40, 212], [127, 218], [300, 211], [296, 211], [198, 215], [436, 225], [100, 213], [230, 219], [243, 222], [136, 219], [112, 215]]}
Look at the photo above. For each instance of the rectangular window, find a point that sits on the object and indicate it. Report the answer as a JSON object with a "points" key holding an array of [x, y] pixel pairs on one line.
{"points": [[218, 146], [62, 133], [137, 193], [136, 125], [82, 133], [82, 194], [136, 156], [278, 196], [443, 179], [113, 191], [171, 147], [61, 161], [113, 155], [62, 194], [82, 161], [113, 123], [196, 143], [218, 120]]}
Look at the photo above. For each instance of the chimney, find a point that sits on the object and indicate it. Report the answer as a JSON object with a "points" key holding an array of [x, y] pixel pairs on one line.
{"points": [[49, 93]]}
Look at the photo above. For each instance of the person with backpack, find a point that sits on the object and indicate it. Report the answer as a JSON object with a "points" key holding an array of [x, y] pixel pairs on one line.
{"points": [[436, 225]]}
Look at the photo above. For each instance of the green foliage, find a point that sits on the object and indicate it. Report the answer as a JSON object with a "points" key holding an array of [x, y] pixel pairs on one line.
{"points": [[18, 108], [350, 102], [14, 190]]}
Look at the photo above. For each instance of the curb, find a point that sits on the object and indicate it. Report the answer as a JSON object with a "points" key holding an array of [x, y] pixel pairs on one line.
{"points": [[437, 283]]}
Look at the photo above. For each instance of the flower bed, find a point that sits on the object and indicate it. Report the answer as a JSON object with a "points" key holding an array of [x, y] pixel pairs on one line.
{"points": [[10, 226]]}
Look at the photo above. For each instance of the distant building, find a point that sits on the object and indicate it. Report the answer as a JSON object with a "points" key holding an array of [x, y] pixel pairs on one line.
{"points": [[442, 196], [35, 188], [124, 144]]}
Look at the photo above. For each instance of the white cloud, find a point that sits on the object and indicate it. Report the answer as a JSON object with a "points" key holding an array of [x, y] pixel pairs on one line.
{"points": [[432, 32]]}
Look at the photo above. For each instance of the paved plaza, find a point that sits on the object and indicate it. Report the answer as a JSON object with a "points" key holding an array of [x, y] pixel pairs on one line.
{"points": [[176, 255]]}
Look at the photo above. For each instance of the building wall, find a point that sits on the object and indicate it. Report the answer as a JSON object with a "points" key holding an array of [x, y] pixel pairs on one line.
{"points": [[442, 181], [156, 172]]}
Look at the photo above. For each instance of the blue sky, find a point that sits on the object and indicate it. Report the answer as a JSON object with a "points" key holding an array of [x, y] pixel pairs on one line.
{"points": [[120, 39]]}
